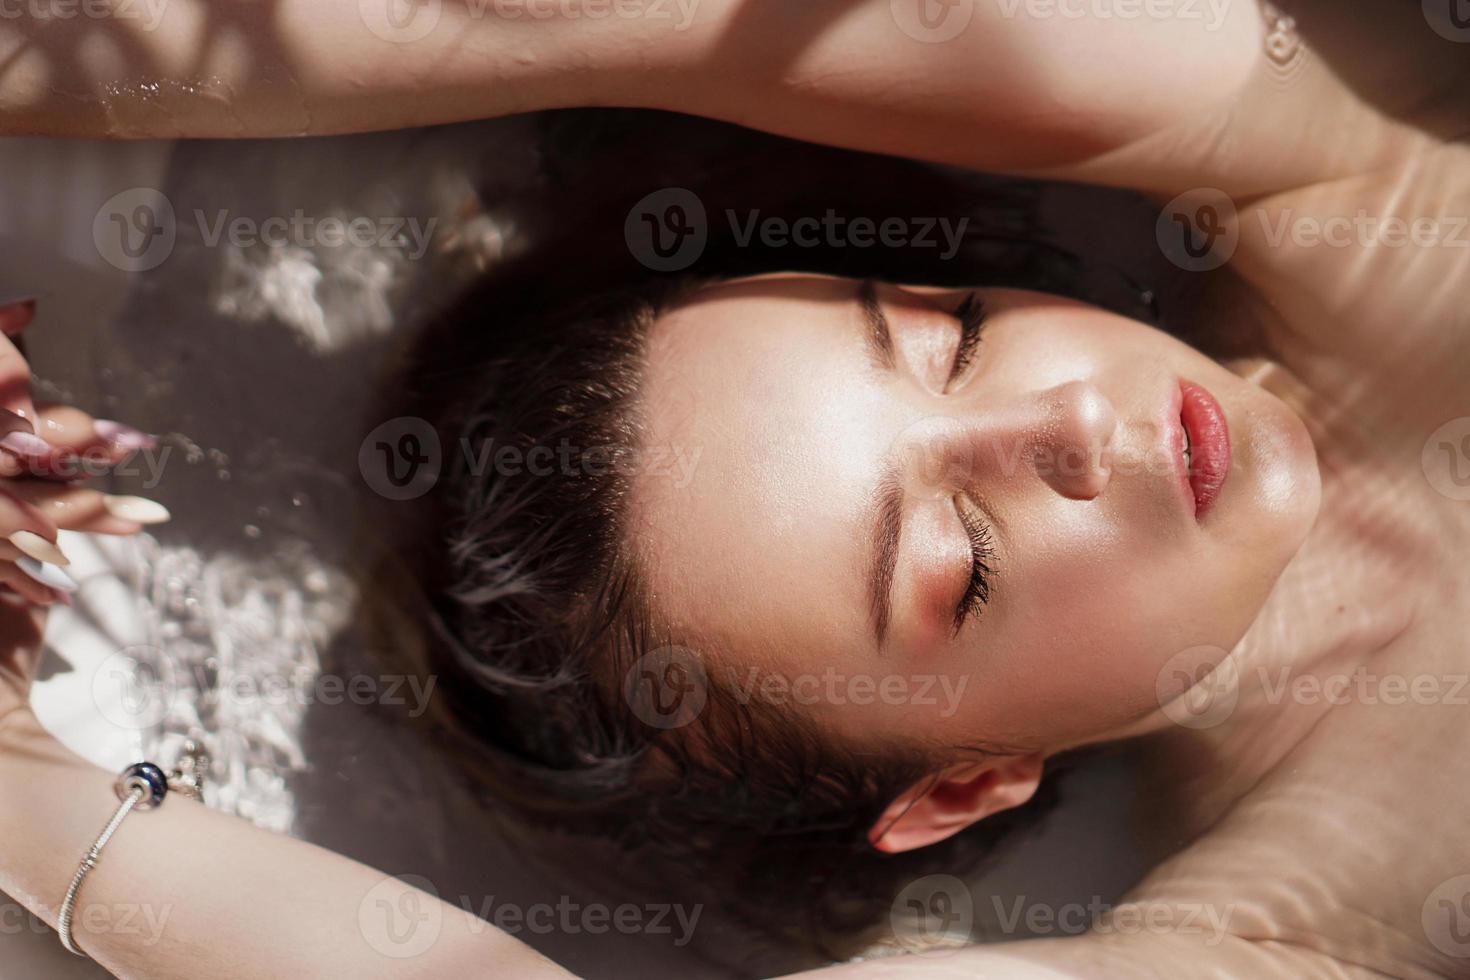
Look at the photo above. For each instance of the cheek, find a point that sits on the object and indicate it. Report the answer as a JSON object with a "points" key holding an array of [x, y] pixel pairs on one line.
{"points": [[1090, 627]]}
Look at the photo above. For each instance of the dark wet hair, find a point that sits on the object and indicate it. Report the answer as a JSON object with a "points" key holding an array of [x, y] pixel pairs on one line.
{"points": [[539, 599]]}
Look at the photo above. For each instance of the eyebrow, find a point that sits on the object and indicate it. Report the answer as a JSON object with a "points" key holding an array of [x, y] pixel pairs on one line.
{"points": [[879, 338], [885, 529], [885, 506]]}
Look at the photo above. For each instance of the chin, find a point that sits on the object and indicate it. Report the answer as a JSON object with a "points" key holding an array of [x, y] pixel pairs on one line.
{"points": [[1285, 479]]}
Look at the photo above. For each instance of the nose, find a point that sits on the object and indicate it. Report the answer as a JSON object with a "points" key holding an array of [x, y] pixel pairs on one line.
{"points": [[1061, 435]]}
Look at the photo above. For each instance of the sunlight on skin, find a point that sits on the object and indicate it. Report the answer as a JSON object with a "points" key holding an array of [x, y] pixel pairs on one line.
{"points": [[1309, 819], [1092, 568]]}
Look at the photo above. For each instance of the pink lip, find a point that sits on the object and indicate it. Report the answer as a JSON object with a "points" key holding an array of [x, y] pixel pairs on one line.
{"points": [[1209, 444]]}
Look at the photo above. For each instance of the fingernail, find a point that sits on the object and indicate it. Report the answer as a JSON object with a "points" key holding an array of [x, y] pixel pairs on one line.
{"points": [[25, 445], [138, 509], [124, 436], [38, 548], [47, 574]]}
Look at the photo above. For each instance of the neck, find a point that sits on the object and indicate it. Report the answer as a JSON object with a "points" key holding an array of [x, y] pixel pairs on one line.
{"points": [[1346, 597]]}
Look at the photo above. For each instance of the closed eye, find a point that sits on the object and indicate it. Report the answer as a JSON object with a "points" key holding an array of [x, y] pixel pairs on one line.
{"points": [[971, 314], [982, 564]]}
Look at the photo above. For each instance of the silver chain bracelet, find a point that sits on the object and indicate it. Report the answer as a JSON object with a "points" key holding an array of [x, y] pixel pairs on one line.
{"points": [[141, 786]]}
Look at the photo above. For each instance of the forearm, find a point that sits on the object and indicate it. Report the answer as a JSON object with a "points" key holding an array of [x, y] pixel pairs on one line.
{"points": [[183, 891], [239, 68]]}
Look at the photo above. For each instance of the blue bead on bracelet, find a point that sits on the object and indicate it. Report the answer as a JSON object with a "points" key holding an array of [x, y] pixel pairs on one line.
{"points": [[144, 777]]}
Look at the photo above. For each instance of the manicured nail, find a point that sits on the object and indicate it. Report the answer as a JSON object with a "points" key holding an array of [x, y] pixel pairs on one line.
{"points": [[47, 574], [25, 445], [138, 509], [124, 436], [38, 548]]}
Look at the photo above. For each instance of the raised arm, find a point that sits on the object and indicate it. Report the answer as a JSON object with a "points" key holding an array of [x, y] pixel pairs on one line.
{"points": [[998, 84]]}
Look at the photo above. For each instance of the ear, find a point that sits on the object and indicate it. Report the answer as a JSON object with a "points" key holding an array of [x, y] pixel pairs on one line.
{"points": [[934, 809]]}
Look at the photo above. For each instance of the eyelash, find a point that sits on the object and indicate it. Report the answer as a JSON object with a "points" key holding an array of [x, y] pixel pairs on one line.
{"points": [[982, 558], [971, 314]]}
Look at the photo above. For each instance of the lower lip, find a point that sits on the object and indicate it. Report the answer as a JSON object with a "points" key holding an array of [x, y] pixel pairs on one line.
{"points": [[1209, 445]]}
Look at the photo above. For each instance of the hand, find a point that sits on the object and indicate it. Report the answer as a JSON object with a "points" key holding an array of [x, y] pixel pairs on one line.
{"points": [[42, 453]]}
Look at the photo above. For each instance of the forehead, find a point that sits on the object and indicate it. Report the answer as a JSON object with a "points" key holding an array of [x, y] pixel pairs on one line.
{"points": [[762, 389]]}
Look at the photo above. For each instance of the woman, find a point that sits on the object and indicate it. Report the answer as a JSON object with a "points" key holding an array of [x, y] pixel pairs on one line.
{"points": [[1103, 533]]}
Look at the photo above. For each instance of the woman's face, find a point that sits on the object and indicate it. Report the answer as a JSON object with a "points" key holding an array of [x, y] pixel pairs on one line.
{"points": [[850, 463]]}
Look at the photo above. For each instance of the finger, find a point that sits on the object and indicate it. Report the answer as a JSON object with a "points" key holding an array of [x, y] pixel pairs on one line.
{"points": [[44, 587], [83, 509], [17, 415], [27, 528], [81, 445], [67, 427]]}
